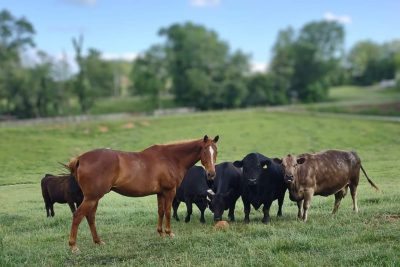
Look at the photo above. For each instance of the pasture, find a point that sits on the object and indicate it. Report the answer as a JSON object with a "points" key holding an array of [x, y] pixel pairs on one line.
{"points": [[128, 225]]}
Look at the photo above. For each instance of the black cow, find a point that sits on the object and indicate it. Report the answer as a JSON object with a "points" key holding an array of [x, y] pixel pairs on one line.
{"points": [[193, 189], [261, 185], [226, 190], [60, 189]]}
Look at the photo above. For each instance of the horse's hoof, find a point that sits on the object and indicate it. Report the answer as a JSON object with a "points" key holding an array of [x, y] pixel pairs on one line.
{"points": [[100, 242], [171, 235], [75, 249]]}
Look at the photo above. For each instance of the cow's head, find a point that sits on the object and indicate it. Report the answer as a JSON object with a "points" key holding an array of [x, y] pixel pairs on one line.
{"points": [[252, 165], [217, 203], [289, 164]]}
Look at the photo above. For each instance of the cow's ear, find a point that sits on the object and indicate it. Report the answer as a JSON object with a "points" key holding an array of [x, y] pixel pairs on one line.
{"points": [[216, 139], [266, 161], [301, 160], [238, 164], [277, 161]]}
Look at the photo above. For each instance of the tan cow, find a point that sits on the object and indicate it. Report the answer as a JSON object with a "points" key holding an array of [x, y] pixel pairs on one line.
{"points": [[324, 173]]}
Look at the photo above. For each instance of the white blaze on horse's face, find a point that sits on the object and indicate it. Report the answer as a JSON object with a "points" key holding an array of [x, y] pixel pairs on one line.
{"points": [[211, 155]]}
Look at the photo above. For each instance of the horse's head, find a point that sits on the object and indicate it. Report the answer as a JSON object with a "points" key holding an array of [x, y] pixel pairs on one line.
{"points": [[208, 155]]}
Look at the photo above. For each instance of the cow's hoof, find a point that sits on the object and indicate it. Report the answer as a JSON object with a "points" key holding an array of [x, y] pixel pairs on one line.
{"points": [[75, 249], [187, 219], [247, 221], [265, 221], [203, 221]]}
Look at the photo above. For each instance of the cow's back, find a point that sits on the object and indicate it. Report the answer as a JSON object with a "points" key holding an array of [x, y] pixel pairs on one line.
{"points": [[193, 184], [328, 171], [228, 178]]}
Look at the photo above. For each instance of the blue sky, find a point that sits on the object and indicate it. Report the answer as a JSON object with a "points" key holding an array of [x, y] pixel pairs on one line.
{"points": [[124, 28]]}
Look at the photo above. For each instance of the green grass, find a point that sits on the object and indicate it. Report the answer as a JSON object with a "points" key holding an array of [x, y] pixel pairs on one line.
{"points": [[128, 225], [370, 100]]}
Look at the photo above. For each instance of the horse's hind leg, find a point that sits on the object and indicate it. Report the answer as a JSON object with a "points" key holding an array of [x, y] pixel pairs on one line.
{"points": [[83, 210], [91, 218], [160, 202]]}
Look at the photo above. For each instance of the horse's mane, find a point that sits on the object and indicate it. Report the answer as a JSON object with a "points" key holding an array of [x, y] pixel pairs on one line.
{"points": [[179, 142]]}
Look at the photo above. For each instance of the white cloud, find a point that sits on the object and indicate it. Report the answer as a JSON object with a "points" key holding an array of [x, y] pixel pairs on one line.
{"points": [[204, 3], [258, 67], [343, 19], [83, 2], [119, 56]]}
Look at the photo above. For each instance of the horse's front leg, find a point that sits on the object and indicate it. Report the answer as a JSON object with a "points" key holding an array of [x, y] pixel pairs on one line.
{"points": [[168, 198], [160, 202]]}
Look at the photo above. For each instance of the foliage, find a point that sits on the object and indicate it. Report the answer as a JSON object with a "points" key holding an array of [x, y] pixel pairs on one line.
{"points": [[307, 60], [150, 74], [204, 74], [371, 62]]}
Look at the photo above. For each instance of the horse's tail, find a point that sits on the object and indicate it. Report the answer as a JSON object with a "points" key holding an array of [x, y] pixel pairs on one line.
{"points": [[369, 180], [72, 166]]}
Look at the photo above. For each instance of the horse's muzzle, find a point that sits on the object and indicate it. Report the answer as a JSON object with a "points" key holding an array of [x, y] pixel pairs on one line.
{"points": [[211, 175]]}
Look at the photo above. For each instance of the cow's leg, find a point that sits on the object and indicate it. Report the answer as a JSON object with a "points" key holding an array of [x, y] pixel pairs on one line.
{"points": [[353, 191], [47, 206], [160, 203], [246, 206], [266, 208], [189, 209], [202, 207], [91, 219], [72, 206], [168, 198], [83, 210], [231, 213], [338, 197], [306, 204], [299, 206], [175, 206], [280, 204], [52, 209]]}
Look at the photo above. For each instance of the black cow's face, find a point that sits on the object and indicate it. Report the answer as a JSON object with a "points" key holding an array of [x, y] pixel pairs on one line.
{"points": [[290, 164], [253, 165], [217, 204]]}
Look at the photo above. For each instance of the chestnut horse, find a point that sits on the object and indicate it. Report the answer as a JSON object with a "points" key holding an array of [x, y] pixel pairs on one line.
{"points": [[158, 169]]}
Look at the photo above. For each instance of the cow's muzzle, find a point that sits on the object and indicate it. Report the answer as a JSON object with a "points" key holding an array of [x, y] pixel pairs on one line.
{"points": [[289, 178], [252, 181]]}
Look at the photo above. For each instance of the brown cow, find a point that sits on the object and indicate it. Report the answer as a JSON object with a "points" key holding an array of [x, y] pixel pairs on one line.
{"points": [[324, 173]]}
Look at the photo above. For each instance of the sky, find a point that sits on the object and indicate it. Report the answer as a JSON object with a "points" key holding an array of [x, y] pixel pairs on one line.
{"points": [[126, 28]]}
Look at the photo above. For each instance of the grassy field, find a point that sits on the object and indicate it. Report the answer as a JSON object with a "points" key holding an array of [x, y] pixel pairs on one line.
{"points": [[370, 100], [128, 225]]}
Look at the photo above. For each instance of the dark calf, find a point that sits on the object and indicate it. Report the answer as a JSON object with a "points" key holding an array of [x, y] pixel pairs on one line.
{"points": [[261, 186], [226, 190], [60, 189], [193, 189]]}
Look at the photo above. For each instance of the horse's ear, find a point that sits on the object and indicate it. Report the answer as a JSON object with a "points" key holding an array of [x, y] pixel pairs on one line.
{"points": [[216, 139], [205, 138]]}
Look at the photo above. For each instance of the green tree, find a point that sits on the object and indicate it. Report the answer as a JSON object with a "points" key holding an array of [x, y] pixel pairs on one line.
{"points": [[81, 85], [16, 34], [150, 74], [200, 65], [99, 73], [304, 65]]}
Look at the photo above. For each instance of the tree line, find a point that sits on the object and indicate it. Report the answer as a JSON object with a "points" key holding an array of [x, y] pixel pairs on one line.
{"points": [[193, 65]]}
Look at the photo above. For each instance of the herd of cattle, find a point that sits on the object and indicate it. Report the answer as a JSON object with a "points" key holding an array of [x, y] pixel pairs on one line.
{"points": [[257, 179]]}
